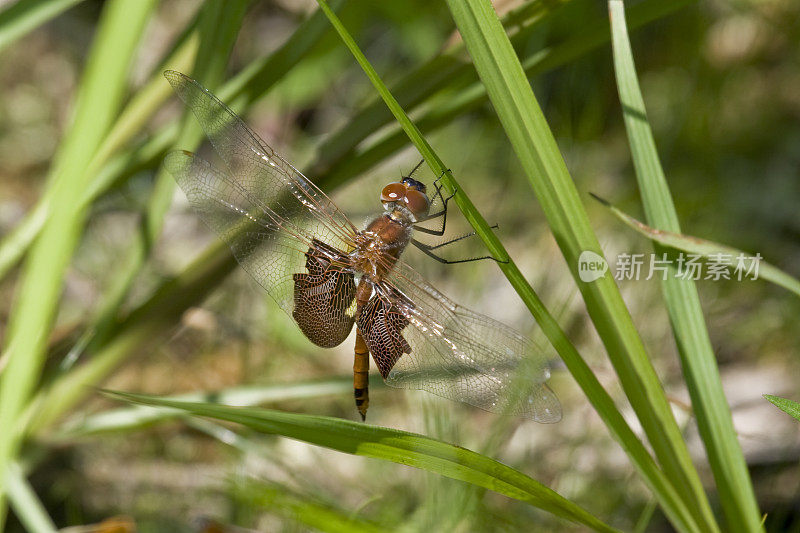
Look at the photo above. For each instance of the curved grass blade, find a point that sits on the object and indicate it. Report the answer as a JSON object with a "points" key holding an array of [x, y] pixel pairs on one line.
{"points": [[787, 406], [173, 297], [302, 509], [18, 19], [28, 508], [240, 91], [710, 406], [132, 418], [738, 260], [389, 445], [99, 98], [679, 511], [330, 165], [219, 25], [536, 148]]}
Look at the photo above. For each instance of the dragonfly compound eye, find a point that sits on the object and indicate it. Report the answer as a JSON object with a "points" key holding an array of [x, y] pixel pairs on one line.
{"points": [[417, 203], [394, 192]]}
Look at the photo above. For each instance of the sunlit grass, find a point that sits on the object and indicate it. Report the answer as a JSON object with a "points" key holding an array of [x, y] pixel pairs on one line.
{"points": [[99, 98], [390, 445], [108, 144], [683, 303]]}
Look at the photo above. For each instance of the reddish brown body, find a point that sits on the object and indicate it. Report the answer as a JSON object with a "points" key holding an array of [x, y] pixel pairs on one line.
{"points": [[378, 249], [380, 245]]}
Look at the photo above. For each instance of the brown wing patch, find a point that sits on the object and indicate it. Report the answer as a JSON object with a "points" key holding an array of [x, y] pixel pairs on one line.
{"points": [[381, 324], [323, 297]]}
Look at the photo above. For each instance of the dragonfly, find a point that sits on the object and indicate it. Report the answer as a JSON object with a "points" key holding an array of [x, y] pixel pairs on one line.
{"points": [[329, 276]]}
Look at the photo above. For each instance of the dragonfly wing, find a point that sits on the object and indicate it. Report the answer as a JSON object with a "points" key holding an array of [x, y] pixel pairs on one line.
{"points": [[456, 353], [258, 169], [274, 249], [381, 323], [324, 298]]}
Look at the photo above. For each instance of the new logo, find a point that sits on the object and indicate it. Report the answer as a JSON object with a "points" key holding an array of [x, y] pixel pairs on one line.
{"points": [[591, 266]]}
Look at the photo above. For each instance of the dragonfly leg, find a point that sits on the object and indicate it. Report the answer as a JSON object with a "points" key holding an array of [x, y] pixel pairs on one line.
{"points": [[437, 180], [461, 238], [427, 250], [361, 376], [442, 213], [411, 174]]}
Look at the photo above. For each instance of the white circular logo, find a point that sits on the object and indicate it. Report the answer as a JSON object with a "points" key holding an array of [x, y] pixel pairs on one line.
{"points": [[591, 266]]}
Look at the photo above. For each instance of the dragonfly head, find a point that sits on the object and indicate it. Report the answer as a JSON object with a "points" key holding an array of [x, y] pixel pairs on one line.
{"points": [[408, 193]]}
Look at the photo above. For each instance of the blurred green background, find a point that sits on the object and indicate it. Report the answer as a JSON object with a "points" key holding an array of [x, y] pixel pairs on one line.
{"points": [[721, 82]]}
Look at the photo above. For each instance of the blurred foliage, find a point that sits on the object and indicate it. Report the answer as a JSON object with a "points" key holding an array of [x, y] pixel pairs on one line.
{"points": [[719, 81]]}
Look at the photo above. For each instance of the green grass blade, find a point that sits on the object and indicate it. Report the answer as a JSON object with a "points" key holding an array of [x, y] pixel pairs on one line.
{"points": [[585, 38], [26, 505], [147, 100], [143, 327], [18, 19], [586, 379], [219, 25], [389, 445], [787, 406], [129, 123], [15, 244], [172, 298], [254, 80], [710, 407], [131, 418], [535, 146], [239, 92], [302, 509], [446, 70], [718, 253], [223, 434], [98, 100]]}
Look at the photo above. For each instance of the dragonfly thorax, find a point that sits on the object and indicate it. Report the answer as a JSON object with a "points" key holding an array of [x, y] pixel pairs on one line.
{"points": [[379, 246]]}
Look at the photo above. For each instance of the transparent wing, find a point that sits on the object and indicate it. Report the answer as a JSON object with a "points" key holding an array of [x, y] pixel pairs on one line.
{"points": [[284, 231], [443, 348], [263, 174]]}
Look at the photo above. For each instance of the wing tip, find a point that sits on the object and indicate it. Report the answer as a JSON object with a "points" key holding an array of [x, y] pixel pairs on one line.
{"points": [[176, 155], [174, 77], [548, 410], [548, 418]]}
